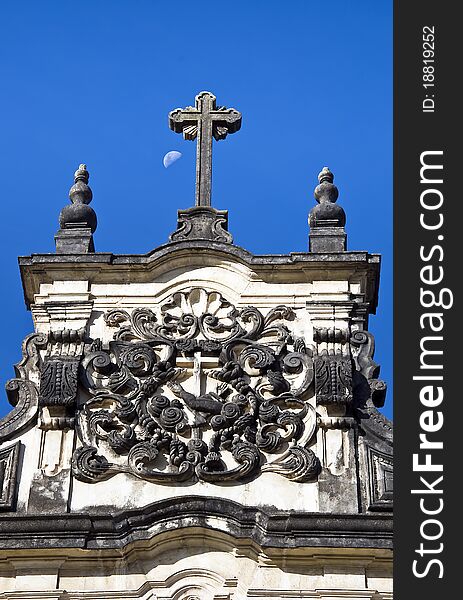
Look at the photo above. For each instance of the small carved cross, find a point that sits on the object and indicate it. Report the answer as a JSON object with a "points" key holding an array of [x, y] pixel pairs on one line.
{"points": [[197, 363], [203, 122]]}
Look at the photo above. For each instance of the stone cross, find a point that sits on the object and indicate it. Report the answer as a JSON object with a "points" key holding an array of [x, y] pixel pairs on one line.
{"points": [[203, 122], [198, 363]]}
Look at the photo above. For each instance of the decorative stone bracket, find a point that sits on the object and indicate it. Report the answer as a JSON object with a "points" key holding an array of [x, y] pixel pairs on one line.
{"points": [[59, 377], [22, 391], [46, 382], [333, 367]]}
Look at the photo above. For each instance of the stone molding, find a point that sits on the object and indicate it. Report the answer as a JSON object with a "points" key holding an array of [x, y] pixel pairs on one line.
{"points": [[207, 565], [265, 527], [65, 313], [105, 267], [380, 478]]}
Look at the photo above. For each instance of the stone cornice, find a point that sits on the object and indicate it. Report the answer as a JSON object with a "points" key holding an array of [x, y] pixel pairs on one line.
{"points": [[265, 527], [107, 267]]}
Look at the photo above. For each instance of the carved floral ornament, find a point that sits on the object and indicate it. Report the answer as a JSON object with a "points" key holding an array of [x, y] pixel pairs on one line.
{"points": [[196, 390], [204, 391]]}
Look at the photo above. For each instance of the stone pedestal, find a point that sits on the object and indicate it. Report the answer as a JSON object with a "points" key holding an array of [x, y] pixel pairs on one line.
{"points": [[74, 241], [327, 239]]}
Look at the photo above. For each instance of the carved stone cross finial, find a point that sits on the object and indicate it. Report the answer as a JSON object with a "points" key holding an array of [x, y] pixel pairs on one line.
{"points": [[203, 122]]}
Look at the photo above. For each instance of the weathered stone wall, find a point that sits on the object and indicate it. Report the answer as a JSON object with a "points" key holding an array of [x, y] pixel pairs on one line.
{"points": [[197, 423], [199, 567]]}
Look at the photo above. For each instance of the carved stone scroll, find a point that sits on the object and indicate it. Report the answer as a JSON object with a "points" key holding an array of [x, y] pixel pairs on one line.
{"points": [[202, 223], [375, 429], [22, 390], [198, 390]]}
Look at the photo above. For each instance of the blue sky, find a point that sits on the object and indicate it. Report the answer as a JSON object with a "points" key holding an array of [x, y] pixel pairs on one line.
{"points": [[93, 81]]}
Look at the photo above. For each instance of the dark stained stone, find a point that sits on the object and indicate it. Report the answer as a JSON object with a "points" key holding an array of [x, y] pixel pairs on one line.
{"points": [[327, 219], [77, 220]]}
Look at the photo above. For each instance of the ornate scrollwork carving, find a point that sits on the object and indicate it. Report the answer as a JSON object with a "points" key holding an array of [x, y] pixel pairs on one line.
{"points": [[90, 465], [202, 222], [365, 342], [154, 412], [369, 390], [297, 464], [22, 391]]}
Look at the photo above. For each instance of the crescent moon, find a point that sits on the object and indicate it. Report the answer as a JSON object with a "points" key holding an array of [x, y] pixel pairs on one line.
{"points": [[170, 158]]}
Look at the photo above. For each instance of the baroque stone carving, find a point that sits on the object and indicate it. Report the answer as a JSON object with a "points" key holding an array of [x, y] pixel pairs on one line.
{"points": [[333, 367], [375, 429], [9, 460], [202, 222], [22, 390], [365, 343], [58, 375], [201, 390], [58, 382], [370, 391]]}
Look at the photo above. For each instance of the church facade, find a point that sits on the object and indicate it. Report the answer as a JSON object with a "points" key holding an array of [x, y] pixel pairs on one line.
{"points": [[197, 423]]}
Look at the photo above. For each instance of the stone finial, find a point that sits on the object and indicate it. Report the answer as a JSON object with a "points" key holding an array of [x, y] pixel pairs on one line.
{"points": [[78, 214], [325, 175], [77, 220], [327, 219], [80, 193]]}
